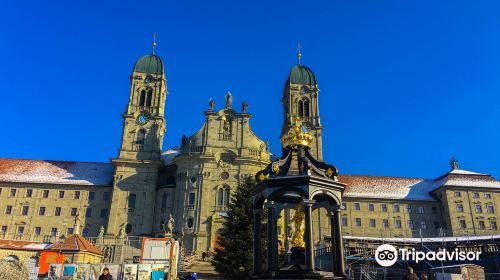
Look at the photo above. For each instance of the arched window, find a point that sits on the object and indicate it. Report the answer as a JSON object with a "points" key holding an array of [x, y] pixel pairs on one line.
{"points": [[85, 232], [141, 134], [190, 223], [301, 108], [226, 197], [306, 108], [220, 197], [142, 98], [149, 98]]}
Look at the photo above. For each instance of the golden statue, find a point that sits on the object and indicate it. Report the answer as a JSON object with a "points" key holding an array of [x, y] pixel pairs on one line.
{"points": [[298, 221]]}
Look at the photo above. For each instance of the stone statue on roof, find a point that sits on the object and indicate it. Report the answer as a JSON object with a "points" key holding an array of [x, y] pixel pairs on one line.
{"points": [[121, 233], [211, 105], [454, 163], [229, 100], [170, 225], [244, 107], [101, 232]]}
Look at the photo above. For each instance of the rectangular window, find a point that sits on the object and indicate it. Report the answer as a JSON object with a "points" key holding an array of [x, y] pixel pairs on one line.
{"points": [[192, 198], [20, 230], [396, 208], [4, 229], [408, 208], [460, 208], [423, 225], [371, 207], [493, 225], [25, 210], [344, 206], [70, 231], [45, 193], [53, 231], [462, 223], [478, 208], [344, 221], [73, 212], [357, 206], [88, 212], [372, 223], [490, 208], [13, 192], [91, 195], [487, 195], [358, 222], [57, 211], [8, 210], [106, 195], [61, 194], [410, 224], [481, 225], [385, 223], [421, 209], [398, 223], [475, 195], [384, 207], [76, 195], [458, 194], [164, 199], [104, 213], [131, 200], [436, 225], [29, 192], [38, 231], [85, 232], [41, 211]]}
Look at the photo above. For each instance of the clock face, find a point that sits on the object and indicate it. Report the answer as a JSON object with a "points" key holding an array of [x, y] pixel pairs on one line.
{"points": [[143, 118]]}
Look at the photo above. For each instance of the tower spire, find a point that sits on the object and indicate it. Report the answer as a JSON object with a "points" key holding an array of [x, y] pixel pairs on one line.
{"points": [[154, 43], [299, 55]]}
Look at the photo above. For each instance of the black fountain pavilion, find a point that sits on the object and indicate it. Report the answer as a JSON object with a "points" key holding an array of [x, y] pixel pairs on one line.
{"points": [[300, 182]]}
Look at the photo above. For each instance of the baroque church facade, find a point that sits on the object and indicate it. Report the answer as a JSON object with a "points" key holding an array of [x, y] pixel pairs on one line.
{"points": [[143, 188]]}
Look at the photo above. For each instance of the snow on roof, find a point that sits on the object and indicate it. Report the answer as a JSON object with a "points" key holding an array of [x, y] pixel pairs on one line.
{"points": [[463, 181], [56, 172], [425, 239], [23, 245], [387, 187], [465, 172], [169, 155]]}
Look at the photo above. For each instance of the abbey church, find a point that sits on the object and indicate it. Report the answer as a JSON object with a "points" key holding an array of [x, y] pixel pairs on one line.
{"points": [[142, 188]]}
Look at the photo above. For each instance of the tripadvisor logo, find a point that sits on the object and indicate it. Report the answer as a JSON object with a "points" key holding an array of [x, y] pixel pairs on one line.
{"points": [[387, 255]]}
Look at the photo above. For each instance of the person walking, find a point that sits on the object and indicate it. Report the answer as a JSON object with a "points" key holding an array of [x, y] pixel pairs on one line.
{"points": [[411, 275], [105, 275]]}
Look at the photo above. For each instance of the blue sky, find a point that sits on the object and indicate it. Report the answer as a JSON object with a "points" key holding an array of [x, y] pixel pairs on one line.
{"points": [[404, 84]]}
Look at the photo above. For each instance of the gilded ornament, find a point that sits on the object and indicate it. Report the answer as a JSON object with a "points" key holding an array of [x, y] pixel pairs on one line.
{"points": [[298, 221]]}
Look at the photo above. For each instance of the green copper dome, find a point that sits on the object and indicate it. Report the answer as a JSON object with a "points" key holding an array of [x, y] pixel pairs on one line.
{"points": [[150, 64], [302, 75]]}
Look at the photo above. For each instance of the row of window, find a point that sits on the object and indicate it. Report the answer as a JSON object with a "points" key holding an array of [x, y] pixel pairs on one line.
{"points": [[42, 210], [475, 195], [462, 223], [395, 208], [38, 231], [61, 194], [478, 208], [385, 223]]}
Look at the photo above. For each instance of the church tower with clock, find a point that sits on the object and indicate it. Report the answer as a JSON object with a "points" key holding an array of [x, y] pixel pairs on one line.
{"points": [[300, 102], [138, 161]]}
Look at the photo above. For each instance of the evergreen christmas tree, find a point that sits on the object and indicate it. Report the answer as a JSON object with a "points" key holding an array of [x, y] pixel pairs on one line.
{"points": [[233, 260]]}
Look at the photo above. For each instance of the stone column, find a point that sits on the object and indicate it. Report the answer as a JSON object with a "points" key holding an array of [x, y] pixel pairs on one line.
{"points": [[272, 251], [308, 235], [338, 243], [287, 229], [257, 232]]}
